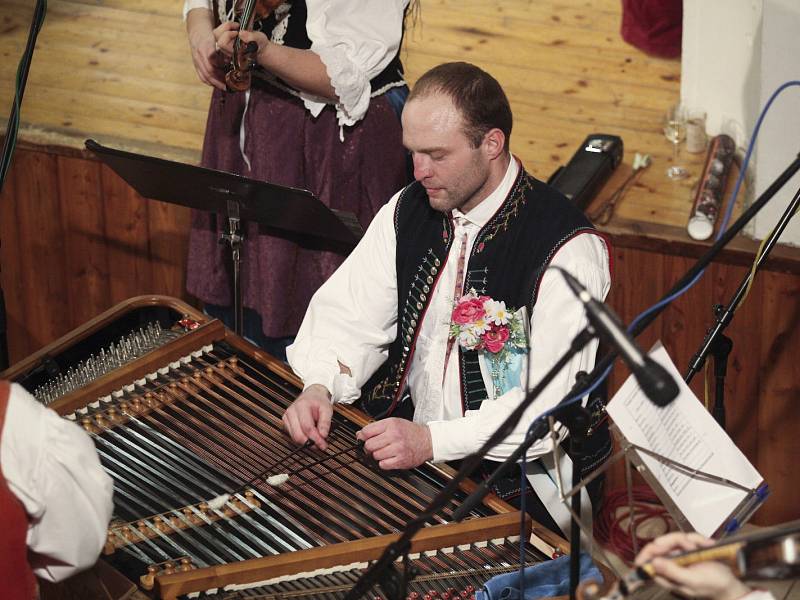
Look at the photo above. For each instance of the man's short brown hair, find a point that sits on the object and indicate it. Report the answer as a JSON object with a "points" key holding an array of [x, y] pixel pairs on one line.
{"points": [[476, 94]]}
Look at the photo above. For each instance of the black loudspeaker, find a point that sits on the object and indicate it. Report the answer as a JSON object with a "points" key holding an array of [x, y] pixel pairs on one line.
{"points": [[589, 168]]}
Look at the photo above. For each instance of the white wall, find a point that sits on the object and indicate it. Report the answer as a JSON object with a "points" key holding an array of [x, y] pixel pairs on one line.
{"points": [[779, 139], [735, 54], [720, 47]]}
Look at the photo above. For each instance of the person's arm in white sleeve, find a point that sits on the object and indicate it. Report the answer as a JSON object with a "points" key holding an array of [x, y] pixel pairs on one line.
{"points": [[51, 465], [192, 4], [558, 316], [352, 318], [302, 69], [345, 333], [351, 42], [355, 41]]}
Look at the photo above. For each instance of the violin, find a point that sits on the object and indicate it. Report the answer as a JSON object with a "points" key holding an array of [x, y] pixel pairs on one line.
{"points": [[771, 553], [238, 76]]}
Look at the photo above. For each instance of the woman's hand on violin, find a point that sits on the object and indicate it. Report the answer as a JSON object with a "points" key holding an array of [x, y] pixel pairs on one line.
{"points": [[302, 69], [202, 42], [709, 579], [228, 32]]}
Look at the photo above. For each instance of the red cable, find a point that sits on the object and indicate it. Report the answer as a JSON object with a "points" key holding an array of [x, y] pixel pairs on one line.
{"points": [[608, 524]]}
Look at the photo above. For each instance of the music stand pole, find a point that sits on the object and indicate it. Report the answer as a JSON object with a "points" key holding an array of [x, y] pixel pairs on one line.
{"points": [[577, 420], [234, 238]]}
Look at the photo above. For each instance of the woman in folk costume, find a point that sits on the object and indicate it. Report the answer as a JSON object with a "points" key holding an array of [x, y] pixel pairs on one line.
{"points": [[322, 114]]}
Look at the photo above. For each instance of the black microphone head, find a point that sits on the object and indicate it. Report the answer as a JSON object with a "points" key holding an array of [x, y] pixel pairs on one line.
{"points": [[656, 383]]}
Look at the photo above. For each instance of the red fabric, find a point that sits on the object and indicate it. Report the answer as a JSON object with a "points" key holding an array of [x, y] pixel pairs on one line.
{"points": [[19, 583], [654, 26]]}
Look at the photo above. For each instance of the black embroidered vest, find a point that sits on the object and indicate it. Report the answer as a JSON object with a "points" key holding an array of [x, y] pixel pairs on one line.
{"points": [[506, 263], [296, 36]]}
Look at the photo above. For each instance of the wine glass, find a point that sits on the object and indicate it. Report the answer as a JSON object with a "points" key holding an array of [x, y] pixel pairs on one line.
{"points": [[675, 132]]}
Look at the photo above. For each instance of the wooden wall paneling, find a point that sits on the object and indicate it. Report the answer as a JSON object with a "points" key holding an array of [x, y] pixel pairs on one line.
{"points": [[646, 268], [77, 240], [628, 301], [127, 238], [87, 286], [169, 247], [778, 414], [687, 317], [41, 250], [11, 273], [742, 382]]}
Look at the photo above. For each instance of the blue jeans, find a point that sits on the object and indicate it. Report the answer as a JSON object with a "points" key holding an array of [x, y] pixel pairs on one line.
{"points": [[543, 580]]}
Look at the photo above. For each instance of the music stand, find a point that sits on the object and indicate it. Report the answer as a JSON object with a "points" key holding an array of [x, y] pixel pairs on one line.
{"points": [[291, 212]]}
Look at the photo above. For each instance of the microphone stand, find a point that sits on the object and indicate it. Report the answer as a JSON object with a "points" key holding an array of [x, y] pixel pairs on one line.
{"points": [[539, 428], [577, 420], [402, 545], [382, 570], [715, 342], [704, 260]]}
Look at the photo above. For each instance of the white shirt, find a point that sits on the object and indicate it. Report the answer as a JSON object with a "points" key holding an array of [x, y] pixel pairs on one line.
{"points": [[355, 40], [51, 465], [353, 318]]}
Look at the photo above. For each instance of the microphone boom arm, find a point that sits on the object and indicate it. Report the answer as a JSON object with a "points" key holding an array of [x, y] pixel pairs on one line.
{"points": [[403, 544]]}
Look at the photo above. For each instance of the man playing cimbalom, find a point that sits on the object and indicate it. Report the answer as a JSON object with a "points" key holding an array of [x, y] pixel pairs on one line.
{"points": [[424, 318]]}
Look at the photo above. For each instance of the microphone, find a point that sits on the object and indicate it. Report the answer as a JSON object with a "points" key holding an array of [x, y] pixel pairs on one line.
{"points": [[657, 384]]}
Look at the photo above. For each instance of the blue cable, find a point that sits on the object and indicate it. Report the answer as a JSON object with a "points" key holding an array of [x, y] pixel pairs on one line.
{"points": [[731, 203], [732, 200]]}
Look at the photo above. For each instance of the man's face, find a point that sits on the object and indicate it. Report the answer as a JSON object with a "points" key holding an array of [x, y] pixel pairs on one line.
{"points": [[454, 173]]}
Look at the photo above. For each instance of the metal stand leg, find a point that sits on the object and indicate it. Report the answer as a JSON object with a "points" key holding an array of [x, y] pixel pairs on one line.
{"points": [[234, 238], [578, 425]]}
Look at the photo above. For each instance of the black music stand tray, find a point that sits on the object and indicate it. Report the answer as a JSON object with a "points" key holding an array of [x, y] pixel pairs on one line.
{"points": [[292, 213]]}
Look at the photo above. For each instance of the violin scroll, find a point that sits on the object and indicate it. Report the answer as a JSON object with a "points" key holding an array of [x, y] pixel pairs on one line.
{"points": [[239, 74]]}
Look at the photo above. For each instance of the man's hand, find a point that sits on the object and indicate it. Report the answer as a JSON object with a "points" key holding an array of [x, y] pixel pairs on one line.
{"points": [[309, 416], [202, 42], [709, 579], [397, 443]]}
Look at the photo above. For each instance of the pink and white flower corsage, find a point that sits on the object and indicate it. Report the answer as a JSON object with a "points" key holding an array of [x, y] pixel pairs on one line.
{"points": [[480, 323], [497, 333]]}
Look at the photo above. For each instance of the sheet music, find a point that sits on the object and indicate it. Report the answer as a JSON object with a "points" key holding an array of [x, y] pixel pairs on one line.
{"points": [[685, 432]]}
